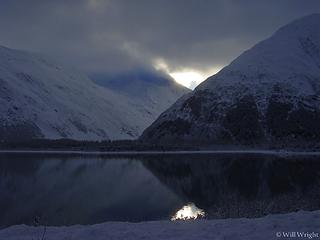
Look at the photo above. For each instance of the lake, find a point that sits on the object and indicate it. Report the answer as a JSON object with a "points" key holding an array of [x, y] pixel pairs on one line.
{"points": [[67, 189]]}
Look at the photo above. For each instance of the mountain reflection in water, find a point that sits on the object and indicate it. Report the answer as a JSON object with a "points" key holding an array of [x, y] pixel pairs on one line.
{"points": [[188, 212], [67, 189], [245, 185]]}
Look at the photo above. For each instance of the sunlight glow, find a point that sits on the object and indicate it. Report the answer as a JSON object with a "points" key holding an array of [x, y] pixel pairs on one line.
{"points": [[188, 212], [187, 77]]}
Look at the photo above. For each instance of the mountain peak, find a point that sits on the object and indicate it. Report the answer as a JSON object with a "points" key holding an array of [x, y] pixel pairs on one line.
{"points": [[292, 51], [306, 23]]}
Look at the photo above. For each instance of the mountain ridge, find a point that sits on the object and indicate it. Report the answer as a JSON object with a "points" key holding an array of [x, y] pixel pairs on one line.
{"points": [[270, 93], [41, 98]]}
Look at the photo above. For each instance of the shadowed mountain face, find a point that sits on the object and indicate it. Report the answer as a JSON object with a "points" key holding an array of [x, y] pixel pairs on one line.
{"points": [[242, 186], [269, 94]]}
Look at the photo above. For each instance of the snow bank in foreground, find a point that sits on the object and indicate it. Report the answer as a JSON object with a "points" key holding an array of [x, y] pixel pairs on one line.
{"points": [[301, 225]]}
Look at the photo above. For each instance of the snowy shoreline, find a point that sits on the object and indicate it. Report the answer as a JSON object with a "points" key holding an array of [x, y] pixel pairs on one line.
{"points": [[302, 223], [83, 152]]}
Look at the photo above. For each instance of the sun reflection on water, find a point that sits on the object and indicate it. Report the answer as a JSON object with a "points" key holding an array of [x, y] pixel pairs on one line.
{"points": [[188, 212]]}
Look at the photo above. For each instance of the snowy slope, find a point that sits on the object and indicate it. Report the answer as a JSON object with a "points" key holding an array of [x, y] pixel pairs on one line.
{"points": [[270, 93], [43, 99], [151, 92], [305, 225]]}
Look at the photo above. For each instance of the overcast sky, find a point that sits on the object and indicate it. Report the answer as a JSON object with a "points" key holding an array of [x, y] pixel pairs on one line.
{"points": [[112, 36]]}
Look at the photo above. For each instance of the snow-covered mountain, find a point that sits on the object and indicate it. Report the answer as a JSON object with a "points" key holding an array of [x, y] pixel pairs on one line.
{"points": [[270, 93], [40, 98]]}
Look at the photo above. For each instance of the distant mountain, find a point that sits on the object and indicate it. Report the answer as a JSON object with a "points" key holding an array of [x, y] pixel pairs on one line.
{"points": [[150, 92], [269, 94], [40, 98]]}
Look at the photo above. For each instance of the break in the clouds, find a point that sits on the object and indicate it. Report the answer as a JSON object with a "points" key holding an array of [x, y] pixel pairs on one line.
{"points": [[189, 39]]}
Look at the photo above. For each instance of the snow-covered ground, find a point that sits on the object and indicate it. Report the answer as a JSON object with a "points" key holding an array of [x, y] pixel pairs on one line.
{"points": [[106, 153], [300, 225]]}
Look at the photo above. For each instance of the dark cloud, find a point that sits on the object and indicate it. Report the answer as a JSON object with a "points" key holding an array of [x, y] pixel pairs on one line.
{"points": [[117, 35]]}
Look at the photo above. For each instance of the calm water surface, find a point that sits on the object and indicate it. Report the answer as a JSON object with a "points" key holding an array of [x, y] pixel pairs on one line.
{"points": [[57, 189]]}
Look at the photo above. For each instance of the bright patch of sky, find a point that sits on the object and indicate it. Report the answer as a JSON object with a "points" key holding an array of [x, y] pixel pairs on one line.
{"points": [[187, 77]]}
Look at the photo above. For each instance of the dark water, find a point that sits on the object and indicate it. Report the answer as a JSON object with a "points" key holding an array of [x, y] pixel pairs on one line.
{"points": [[66, 189]]}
